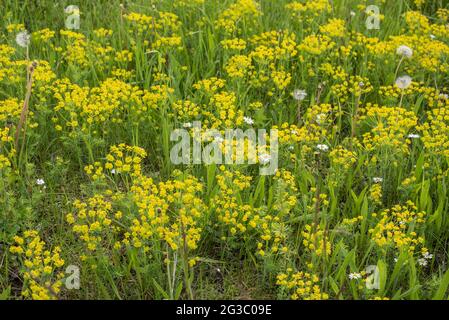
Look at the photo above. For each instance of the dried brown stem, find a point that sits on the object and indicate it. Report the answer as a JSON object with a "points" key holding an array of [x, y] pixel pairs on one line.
{"points": [[26, 103]]}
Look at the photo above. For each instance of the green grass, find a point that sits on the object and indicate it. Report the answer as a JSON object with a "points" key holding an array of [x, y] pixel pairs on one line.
{"points": [[229, 265]]}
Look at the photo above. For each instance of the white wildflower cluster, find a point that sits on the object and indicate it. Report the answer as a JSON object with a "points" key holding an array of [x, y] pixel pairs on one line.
{"points": [[355, 276], [426, 256]]}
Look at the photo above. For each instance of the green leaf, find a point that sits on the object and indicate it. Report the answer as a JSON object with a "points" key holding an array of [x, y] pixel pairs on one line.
{"points": [[160, 289], [5, 293], [442, 289]]}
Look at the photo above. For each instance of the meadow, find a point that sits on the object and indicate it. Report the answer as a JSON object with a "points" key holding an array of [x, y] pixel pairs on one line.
{"points": [[92, 205]]}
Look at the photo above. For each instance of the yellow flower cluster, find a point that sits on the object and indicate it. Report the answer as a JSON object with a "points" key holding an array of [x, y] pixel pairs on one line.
{"points": [[301, 285], [168, 211], [102, 32], [355, 85], [43, 35], [334, 28], [10, 109], [390, 126], [316, 241], [92, 221], [234, 44], [436, 132], [316, 44], [113, 101], [238, 66], [243, 219], [225, 114], [9, 69], [15, 27], [124, 56], [186, 110], [315, 7], [164, 23], [398, 226], [121, 159], [375, 193], [286, 191], [125, 159], [40, 267], [343, 157], [4, 162], [210, 85], [241, 12]]}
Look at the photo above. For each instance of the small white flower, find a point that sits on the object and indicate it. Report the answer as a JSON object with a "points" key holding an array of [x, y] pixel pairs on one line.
{"points": [[40, 182], [403, 82], [413, 136], [187, 125], [23, 39], [248, 120], [355, 276], [294, 132], [427, 256], [377, 180], [264, 158], [405, 51], [422, 262], [113, 171], [299, 95], [322, 147], [443, 96], [432, 37], [352, 13], [396, 259]]}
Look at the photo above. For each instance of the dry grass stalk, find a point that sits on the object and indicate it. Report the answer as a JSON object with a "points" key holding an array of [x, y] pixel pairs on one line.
{"points": [[26, 103]]}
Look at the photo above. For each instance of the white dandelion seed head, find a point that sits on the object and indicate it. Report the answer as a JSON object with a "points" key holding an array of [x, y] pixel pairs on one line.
{"points": [[405, 51], [299, 94], [352, 13], [23, 39], [403, 82]]}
